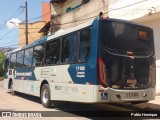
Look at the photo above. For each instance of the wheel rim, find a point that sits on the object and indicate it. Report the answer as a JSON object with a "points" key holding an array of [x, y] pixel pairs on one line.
{"points": [[45, 96]]}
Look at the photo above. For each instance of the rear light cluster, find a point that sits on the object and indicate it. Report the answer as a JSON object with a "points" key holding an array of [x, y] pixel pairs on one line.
{"points": [[102, 73]]}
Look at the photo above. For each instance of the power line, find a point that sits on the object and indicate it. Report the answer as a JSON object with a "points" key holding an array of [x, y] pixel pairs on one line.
{"points": [[15, 14], [133, 11], [61, 7], [104, 13], [52, 11], [13, 45], [20, 13], [127, 6], [15, 40], [10, 37], [7, 33], [17, 35]]}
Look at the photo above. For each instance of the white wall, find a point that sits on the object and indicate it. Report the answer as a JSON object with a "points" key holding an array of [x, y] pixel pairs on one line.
{"points": [[82, 14], [132, 9]]}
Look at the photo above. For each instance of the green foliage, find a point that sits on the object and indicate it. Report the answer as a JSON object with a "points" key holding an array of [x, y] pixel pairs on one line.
{"points": [[2, 57]]}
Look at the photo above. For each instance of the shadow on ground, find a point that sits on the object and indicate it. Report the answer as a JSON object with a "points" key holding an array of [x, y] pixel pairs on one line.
{"points": [[94, 111]]}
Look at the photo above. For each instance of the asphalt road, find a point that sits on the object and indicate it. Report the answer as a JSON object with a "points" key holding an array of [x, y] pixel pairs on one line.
{"points": [[67, 110]]}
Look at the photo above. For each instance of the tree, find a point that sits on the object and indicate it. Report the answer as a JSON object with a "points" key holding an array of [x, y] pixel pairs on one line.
{"points": [[2, 57]]}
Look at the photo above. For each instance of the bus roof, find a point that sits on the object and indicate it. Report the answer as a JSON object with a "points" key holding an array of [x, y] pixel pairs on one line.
{"points": [[17, 49], [67, 31]]}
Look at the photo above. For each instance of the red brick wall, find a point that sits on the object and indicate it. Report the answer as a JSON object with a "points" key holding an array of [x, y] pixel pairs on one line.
{"points": [[46, 12]]}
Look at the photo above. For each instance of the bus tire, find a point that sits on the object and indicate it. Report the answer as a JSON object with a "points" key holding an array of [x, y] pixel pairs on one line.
{"points": [[46, 96]]}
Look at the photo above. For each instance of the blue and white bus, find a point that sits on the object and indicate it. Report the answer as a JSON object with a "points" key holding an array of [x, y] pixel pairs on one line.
{"points": [[100, 61]]}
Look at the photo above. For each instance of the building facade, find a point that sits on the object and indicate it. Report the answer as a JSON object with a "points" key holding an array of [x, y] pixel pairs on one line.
{"points": [[33, 32], [46, 10], [36, 29], [69, 13]]}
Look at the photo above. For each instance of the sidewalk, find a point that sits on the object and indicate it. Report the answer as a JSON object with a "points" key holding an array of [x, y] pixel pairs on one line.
{"points": [[1, 78], [156, 101]]}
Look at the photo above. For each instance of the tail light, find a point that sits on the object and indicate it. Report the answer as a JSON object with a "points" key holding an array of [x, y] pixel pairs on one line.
{"points": [[102, 73], [130, 53]]}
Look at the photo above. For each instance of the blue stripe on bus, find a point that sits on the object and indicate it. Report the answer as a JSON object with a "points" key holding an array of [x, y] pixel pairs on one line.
{"points": [[26, 73], [77, 72], [83, 73]]}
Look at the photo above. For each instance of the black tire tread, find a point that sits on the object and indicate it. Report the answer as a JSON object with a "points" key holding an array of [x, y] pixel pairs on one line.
{"points": [[49, 103]]}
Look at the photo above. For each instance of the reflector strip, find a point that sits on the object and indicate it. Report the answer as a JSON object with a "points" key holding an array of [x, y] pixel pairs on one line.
{"points": [[101, 90]]}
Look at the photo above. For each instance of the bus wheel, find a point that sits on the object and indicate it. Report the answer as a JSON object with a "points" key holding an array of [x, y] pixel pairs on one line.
{"points": [[11, 88], [46, 96]]}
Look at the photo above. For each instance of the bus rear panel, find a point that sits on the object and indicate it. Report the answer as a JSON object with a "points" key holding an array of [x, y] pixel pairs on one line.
{"points": [[126, 61]]}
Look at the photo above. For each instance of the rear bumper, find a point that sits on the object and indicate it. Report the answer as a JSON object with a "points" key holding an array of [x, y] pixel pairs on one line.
{"points": [[114, 95]]}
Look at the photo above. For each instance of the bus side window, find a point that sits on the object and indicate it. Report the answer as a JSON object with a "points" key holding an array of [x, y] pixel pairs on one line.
{"points": [[28, 57], [85, 45], [38, 57], [69, 48], [12, 60], [6, 64], [52, 52], [19, 60]]}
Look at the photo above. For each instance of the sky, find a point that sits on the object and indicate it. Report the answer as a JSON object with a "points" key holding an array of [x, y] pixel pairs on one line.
{"points": [[11, 14]]}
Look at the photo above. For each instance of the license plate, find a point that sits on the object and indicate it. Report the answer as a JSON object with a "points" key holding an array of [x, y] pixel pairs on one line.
{"points": [[132, 81], [132, 94]]}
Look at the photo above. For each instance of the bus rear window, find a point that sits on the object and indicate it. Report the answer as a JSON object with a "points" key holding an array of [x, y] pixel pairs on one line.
{"points": [[126, 37]]}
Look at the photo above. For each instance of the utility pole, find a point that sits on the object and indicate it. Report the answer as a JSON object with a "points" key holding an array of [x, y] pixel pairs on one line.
{"points": [[26, 14]]}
